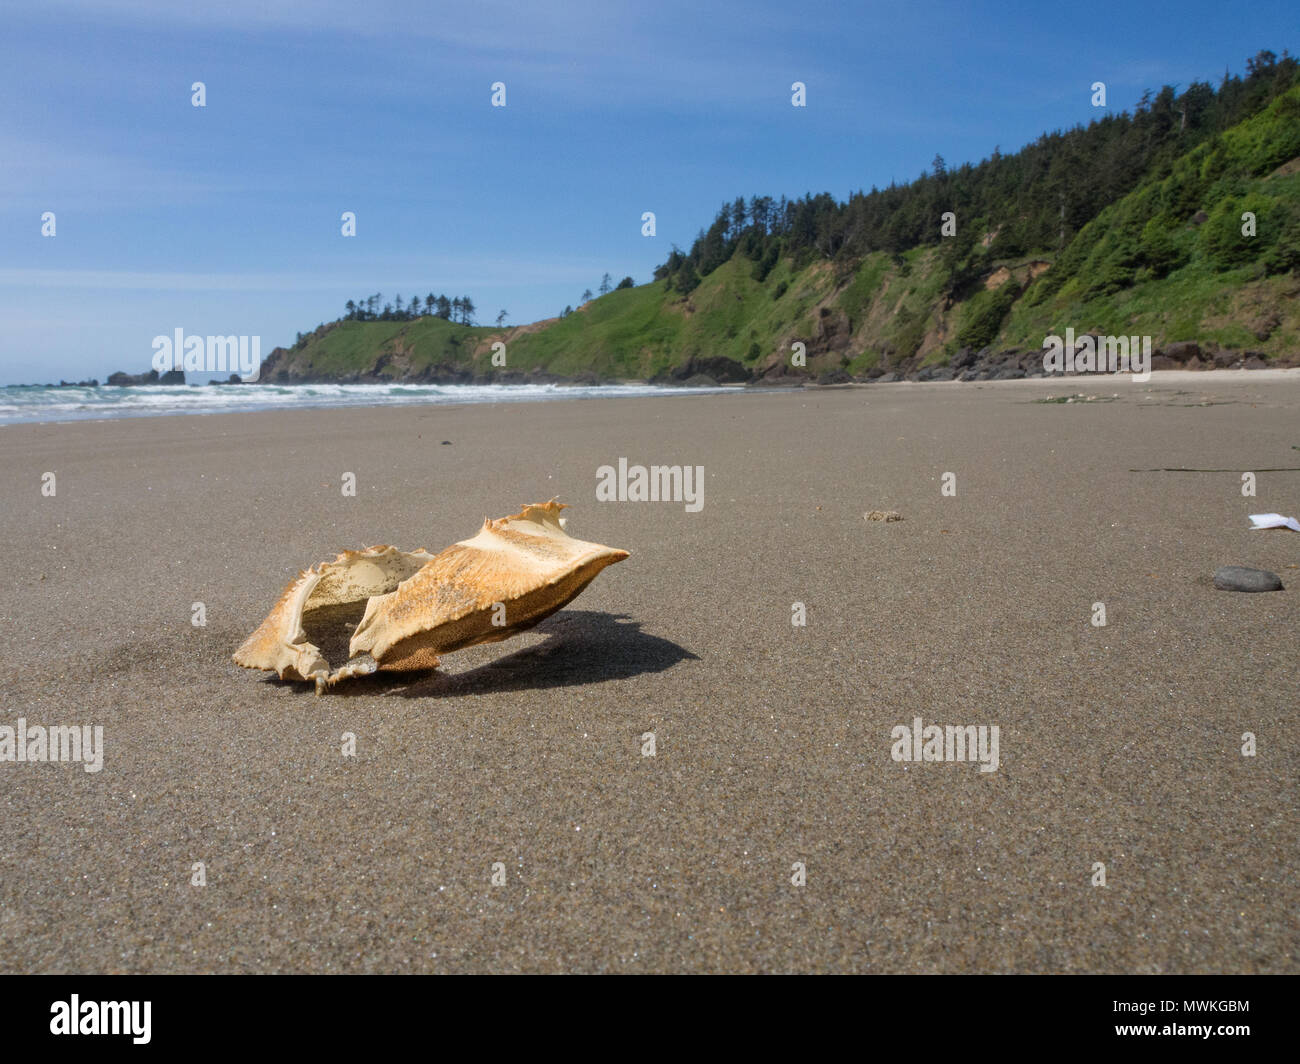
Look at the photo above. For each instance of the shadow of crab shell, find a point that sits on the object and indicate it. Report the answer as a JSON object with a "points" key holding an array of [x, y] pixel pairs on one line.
{"points": [[484, 654]]}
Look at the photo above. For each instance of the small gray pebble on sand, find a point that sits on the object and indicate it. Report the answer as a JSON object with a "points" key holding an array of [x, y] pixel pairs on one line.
{"points": [[1241, 578]]}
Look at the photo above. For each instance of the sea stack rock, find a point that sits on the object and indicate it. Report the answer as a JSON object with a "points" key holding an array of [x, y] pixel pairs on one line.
{"points": [[121, 379]]}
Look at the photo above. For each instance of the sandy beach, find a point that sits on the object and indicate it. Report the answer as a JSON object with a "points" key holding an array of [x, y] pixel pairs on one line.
{"points": [[1119, 745]]}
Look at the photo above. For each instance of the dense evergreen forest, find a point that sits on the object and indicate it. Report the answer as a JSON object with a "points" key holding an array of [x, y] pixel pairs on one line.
{"points": [[1034, 200]]}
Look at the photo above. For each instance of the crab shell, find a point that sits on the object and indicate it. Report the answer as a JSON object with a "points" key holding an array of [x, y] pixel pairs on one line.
{"points": [[517, 571]]}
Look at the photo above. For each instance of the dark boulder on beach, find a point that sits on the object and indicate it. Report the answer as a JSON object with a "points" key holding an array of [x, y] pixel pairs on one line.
{"points": [[781, 373], [1181, 352], [719, 369], [1242, 578], [965, 358]]}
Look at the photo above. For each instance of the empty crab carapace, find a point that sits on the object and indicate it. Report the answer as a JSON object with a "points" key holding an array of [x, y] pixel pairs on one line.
{"points": [[515, 572]]}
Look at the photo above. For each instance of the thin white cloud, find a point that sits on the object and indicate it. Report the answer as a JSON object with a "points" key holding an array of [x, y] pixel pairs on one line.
{"points": [[50, 176], [662, 55], [465, 274]]}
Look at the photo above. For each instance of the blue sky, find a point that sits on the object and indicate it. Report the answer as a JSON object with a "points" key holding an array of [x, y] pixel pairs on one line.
{"points": [[226, 219]]}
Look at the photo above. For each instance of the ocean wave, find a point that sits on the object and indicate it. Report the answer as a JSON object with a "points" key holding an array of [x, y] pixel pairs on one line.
{"points": [[79, 404]]}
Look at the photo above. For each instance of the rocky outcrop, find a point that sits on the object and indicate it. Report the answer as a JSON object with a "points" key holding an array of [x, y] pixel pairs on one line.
{"points": [[1013, 364], [121, 379], [721, 370], [1189, 354]]}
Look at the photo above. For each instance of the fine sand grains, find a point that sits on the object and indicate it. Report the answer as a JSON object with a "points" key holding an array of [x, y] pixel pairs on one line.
{"points": [[649, 772]]}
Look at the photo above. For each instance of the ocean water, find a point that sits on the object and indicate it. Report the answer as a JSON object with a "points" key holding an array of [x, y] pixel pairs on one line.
{"points": [[80, 404]]}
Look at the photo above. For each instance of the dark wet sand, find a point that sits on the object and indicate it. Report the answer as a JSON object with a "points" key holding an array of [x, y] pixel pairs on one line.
{"points": [[1118, 745]]}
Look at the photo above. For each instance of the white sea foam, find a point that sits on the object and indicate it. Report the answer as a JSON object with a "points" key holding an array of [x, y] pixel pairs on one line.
{"points": [[79, 404]]}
